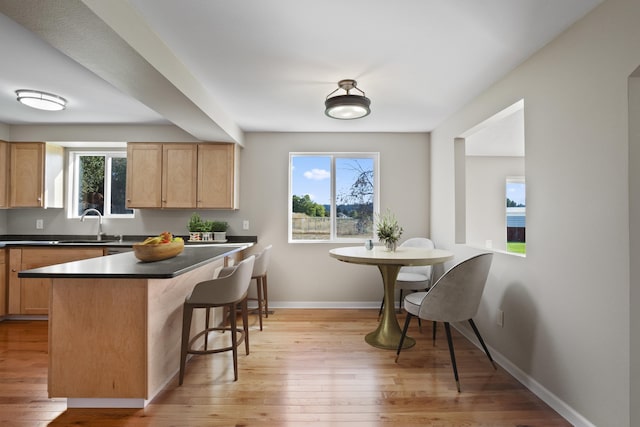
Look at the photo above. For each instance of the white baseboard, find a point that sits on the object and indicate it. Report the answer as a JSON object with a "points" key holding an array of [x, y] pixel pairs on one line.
{"points": [[558, 405]]}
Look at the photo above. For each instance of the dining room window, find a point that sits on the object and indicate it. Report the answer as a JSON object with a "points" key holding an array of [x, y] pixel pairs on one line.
{"points": [[332, 197]]}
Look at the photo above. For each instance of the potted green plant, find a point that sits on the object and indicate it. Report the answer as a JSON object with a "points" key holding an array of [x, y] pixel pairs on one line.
{"points": [[207, 228], [195, 226], [388, 230], [219, 229]]}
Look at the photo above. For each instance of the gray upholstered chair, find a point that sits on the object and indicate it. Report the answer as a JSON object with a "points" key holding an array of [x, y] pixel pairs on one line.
{"points": [[411, 278], [260, 275], [228, 290], [454, 297]]}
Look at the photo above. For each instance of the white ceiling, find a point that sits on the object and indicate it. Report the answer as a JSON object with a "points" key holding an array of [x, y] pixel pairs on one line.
{"points": [[219, 68]]}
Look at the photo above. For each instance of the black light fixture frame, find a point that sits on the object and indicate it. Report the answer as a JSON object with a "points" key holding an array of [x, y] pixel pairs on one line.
{"points": [[361, 101]]}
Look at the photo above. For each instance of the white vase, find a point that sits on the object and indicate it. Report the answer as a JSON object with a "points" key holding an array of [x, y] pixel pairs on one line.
{"points": [[195, 235], [219, 236], [390, 245]]}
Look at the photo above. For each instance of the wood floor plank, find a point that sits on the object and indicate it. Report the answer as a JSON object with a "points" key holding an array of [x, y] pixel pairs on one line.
{"points": [[306, 368]]}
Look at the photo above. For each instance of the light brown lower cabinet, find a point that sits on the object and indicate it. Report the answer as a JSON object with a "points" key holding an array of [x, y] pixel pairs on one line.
{"points": [[31, 296], [3, 284]]}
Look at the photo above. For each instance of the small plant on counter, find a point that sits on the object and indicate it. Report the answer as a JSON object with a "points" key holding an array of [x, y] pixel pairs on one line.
{"points": [[195, 226], [195, 223], [220, 231], [219, 226]]}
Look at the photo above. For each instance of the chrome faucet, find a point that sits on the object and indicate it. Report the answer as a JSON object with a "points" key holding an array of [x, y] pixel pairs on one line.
{"points": [[99, 237]]}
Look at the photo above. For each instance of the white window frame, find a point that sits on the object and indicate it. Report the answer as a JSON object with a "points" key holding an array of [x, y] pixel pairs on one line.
{"points": [[375, 156], [73, 177]]}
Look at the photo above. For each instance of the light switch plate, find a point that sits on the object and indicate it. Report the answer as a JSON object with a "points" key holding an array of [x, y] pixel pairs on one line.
{"points": [[245, 224]]}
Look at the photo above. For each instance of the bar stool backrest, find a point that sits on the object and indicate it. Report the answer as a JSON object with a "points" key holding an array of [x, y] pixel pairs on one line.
{"points": [[227, 289]]}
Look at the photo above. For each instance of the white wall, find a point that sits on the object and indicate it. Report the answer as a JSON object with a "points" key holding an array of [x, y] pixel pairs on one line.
{"points": [[485, 198], [566, 305], [634, 234], [301, 273], [305, 272]]}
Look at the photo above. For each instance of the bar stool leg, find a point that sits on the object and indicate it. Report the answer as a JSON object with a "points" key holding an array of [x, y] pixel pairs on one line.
{"points": [[245, 323], [265, 295], [234, 342], [260, 301], [187, 313]]}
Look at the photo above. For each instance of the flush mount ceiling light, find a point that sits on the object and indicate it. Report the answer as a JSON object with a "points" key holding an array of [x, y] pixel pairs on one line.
{"points": [[347, 107], [41, 100]]}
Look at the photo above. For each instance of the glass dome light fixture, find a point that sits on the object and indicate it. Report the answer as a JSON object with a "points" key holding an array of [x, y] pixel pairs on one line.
{"points": [[347, 107], [41, 100]]}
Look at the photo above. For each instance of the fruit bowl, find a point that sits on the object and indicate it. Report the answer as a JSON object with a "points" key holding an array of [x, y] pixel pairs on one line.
{"points": [[157, 252]]}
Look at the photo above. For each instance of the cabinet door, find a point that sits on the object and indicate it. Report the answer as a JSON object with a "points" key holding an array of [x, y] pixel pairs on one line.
{"points": [[4, 174], [3, 284], [216, 176], [13, 281], [179, 169], [31, 296], [26, 174], [144, 175]]}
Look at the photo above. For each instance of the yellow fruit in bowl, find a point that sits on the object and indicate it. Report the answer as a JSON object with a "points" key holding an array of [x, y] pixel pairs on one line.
{"points": [[158, 248]]}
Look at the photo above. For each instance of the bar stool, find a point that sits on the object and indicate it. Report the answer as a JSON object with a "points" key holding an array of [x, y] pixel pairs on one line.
{"points": [[227, 290], [260, 275]]}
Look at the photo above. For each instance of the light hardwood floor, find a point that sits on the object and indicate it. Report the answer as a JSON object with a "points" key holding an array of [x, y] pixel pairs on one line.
{"points": [[307, 368]]}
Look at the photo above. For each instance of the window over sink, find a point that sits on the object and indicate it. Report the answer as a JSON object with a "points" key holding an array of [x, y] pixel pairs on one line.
{"points": [[98, 180]]}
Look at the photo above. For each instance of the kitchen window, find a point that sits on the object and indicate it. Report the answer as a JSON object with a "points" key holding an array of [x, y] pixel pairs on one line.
{"points": [[332, 197], [98, 180]]}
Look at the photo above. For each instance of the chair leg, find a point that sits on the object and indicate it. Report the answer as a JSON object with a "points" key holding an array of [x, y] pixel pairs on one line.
{"points": [[486, 350], [245, 324], [260, 301], [447, 328], [404, 334], [234, 342], [435, 324], [187, 313], [265, 295], [206, 326]]}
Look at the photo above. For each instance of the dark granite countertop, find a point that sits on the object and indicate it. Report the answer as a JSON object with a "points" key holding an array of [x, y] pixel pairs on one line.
{"points": [[108, 241], [127, 266]]}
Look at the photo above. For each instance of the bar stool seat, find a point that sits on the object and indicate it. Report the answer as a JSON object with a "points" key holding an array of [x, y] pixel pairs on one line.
{"points": [[228, 290]]}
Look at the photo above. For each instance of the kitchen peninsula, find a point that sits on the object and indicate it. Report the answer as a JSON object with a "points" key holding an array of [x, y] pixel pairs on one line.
{"points": [[115, 323]]}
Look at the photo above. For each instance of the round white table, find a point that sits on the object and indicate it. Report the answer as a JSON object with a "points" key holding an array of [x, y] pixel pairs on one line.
{"points": [[387, 335]]}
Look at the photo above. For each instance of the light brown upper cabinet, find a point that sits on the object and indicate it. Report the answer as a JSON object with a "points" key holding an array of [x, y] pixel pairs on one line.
{"points": [[26, 172], [4, 174], [216, 176], [181, 175], [179, 169], [29, 172], [144, 175]]}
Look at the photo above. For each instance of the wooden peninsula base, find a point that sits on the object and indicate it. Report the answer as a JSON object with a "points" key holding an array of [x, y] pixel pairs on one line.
{"points": [[114, 341]]}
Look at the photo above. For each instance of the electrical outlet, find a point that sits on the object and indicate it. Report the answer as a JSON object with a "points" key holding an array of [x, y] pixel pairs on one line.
{"points": [[39, 224], [245, 224], [500, 318]]}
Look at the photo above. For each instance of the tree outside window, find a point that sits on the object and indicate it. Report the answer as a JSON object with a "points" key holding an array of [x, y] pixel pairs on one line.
{"points": [[332, 196], [99, 182]]}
